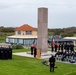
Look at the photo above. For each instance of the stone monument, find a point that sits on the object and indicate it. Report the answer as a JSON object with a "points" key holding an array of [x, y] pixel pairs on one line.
{"points": [[42, 29]]}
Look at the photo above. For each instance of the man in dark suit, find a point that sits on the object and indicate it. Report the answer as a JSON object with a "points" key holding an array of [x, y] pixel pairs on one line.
{"points": [[62, 46], [72, 47], [55, 47], [35, 52], [52, 63], [9, 52], [65, 46], [68, 47], [32, 50], [52, 48]]}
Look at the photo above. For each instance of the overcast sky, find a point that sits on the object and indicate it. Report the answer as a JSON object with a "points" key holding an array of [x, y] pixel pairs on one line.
{"points": [[14, 13]]}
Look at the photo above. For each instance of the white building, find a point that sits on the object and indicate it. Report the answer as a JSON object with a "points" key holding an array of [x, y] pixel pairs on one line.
{"points": [[72, 38], [24, 35]]}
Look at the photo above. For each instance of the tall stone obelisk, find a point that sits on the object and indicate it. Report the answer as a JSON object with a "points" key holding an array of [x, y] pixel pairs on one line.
{"points": [[42, 29]]}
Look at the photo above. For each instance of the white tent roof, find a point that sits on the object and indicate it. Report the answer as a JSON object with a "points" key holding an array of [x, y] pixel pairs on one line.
{"points": [[73, 38]]}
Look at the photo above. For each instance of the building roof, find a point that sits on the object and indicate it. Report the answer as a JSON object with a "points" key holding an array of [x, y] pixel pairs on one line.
{"points": [[61, 40], [26, 27], [71, 38], [22, 37]]}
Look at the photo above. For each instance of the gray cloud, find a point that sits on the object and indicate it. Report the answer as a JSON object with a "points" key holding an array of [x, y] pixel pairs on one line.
{"points": [[17, 12]]}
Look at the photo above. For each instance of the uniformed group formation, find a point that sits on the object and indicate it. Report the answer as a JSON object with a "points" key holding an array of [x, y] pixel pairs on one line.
{"points": [[65, 52], [5, 53], [63, 46]]}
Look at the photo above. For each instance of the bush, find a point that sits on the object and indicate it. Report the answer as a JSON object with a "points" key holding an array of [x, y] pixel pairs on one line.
{"points": [[17, 46]]}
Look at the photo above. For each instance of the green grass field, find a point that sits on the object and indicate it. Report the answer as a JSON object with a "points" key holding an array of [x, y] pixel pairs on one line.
{"points": [[2, 39], [20, 50], [20, 65], [75, 35], [31, 66]]}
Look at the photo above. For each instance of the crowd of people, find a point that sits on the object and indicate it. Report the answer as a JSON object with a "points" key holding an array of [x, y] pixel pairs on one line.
{"points": [[62, 46], [65, 52]]}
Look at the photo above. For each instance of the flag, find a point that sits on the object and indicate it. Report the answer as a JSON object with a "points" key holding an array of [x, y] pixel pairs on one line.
{"points": [[53, 42], [34, 43]]}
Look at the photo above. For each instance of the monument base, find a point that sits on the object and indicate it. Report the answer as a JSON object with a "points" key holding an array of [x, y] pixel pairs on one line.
{"points": [[38, 54]]}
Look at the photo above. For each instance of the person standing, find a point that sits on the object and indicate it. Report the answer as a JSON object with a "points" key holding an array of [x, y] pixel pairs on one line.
{"points": [[58, 46], [62, 46], [55, 47], [52, 48], [72, 47], [35, 52], [32, 50], [65, 46], [52, 63], [68, 47], [52, 44]]}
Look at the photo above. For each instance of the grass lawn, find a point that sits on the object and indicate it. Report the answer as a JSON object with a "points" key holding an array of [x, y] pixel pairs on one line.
{"points": [[75, 35], [75, 48], [20, 50], [2, 38], [31, 66], [20, 65]]}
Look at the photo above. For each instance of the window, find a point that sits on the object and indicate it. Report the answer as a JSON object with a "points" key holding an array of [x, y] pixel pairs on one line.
{"points": [[29, 41], [26, 42], [20, 41], [28, 32], [19, 32], [7, 39], [11, 40], [15, 40], [75, 41]]}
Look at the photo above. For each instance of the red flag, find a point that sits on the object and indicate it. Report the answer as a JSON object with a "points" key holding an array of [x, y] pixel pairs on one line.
{"points": [[53, 42], [34, 43]]}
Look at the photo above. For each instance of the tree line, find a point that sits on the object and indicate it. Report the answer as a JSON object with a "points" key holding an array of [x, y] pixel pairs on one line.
{"points": [[4, 31], [64, 32], [7, 29]]}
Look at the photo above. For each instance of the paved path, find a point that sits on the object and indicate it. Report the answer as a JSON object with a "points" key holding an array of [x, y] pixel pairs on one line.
{"points": [[28, 54], [44, 56]]}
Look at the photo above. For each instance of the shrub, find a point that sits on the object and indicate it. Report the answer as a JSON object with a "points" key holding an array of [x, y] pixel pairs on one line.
{"points": [[17, 46]]}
